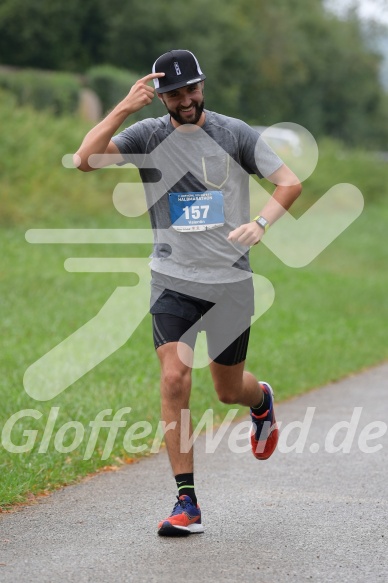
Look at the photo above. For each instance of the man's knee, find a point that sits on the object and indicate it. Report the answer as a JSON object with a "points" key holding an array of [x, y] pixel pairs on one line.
{"points": [[175, 376], [228, 393], [176, 380]]}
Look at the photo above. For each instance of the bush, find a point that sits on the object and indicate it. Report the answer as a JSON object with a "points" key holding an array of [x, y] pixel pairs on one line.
{"points": [[57, 92]]}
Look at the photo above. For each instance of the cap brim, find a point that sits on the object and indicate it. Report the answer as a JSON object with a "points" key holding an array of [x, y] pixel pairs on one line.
{"points": [[179, 85]]}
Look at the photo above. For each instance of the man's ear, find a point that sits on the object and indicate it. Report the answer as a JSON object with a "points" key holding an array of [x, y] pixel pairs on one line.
{"points": [[160, 96]]}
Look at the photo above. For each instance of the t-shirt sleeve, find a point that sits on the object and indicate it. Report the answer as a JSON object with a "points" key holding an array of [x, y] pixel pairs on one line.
{"points": [[127, 141], [257, 157], [131, 143]]}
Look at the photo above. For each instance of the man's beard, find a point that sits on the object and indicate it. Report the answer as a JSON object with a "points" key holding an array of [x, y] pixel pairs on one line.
{"points": [[199, 107]]}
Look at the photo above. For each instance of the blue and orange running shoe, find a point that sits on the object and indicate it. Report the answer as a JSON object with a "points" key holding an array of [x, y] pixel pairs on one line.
{"points": [[265, 433], [184, 519]]}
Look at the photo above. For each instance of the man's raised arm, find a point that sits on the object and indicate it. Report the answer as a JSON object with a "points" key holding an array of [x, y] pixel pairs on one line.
{"points": [[99, 139]]}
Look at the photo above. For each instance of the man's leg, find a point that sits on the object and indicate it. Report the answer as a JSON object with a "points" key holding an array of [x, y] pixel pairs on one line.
{"points": [[229, 322], [175, 387], [236, 386]]}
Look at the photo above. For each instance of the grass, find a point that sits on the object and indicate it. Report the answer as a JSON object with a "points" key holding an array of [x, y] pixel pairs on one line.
{"points": [[327, 321]]}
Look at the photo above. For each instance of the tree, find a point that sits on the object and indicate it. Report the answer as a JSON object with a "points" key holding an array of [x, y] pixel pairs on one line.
{"points": [[51, 34], [265, 62]]}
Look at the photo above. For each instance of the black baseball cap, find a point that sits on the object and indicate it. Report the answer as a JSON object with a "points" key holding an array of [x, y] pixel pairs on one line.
{"points": [[181, 68]]}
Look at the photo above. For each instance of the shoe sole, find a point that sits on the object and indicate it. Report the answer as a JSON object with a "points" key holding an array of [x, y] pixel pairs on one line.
{"points": [[170, 530]]}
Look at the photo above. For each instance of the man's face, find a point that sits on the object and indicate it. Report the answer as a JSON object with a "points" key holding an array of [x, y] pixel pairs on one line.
{"points": [[185, 105]]}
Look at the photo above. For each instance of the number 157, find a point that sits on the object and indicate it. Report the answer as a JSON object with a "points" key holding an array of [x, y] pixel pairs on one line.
{"points": [[196, 211]]}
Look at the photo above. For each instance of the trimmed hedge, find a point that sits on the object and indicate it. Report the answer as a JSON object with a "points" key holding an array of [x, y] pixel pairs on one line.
{"points": [[59, 92]]}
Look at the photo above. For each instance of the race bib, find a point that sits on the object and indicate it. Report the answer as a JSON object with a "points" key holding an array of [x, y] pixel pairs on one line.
{"points": [[196, 211]]}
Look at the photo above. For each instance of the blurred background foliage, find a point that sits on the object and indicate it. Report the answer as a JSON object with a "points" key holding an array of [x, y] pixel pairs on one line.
{"points": [[265, 62]]}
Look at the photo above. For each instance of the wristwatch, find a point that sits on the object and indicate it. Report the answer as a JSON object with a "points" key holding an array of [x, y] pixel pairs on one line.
{"points": [[262, 222]]}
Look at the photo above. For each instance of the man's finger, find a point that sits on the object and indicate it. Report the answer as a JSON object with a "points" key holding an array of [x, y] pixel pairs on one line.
{"points": [[152, 76], [234, 235]]}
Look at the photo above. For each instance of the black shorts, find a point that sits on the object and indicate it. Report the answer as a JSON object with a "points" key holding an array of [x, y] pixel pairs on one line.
{"points": [[223, 311]]}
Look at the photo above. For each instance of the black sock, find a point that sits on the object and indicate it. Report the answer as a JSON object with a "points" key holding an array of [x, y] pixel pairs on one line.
{"points": [[185, 485], [262, 407]]}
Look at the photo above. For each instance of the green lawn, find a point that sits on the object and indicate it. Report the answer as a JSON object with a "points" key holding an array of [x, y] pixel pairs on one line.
{"points": [[328, 319]]}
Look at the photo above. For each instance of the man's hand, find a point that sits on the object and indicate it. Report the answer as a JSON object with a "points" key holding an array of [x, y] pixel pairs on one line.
{"points": [[248, 234], [141, 94], [287, 190]]}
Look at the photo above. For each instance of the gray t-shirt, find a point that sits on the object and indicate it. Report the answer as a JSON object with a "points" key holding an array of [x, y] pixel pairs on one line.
{"points": [[213, 162]]}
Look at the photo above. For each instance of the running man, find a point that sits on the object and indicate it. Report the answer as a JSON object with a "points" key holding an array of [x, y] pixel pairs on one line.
{"points": [[197, 191]]}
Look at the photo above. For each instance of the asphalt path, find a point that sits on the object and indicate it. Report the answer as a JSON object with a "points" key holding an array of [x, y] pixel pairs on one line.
{"points": [[309, 515]]}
